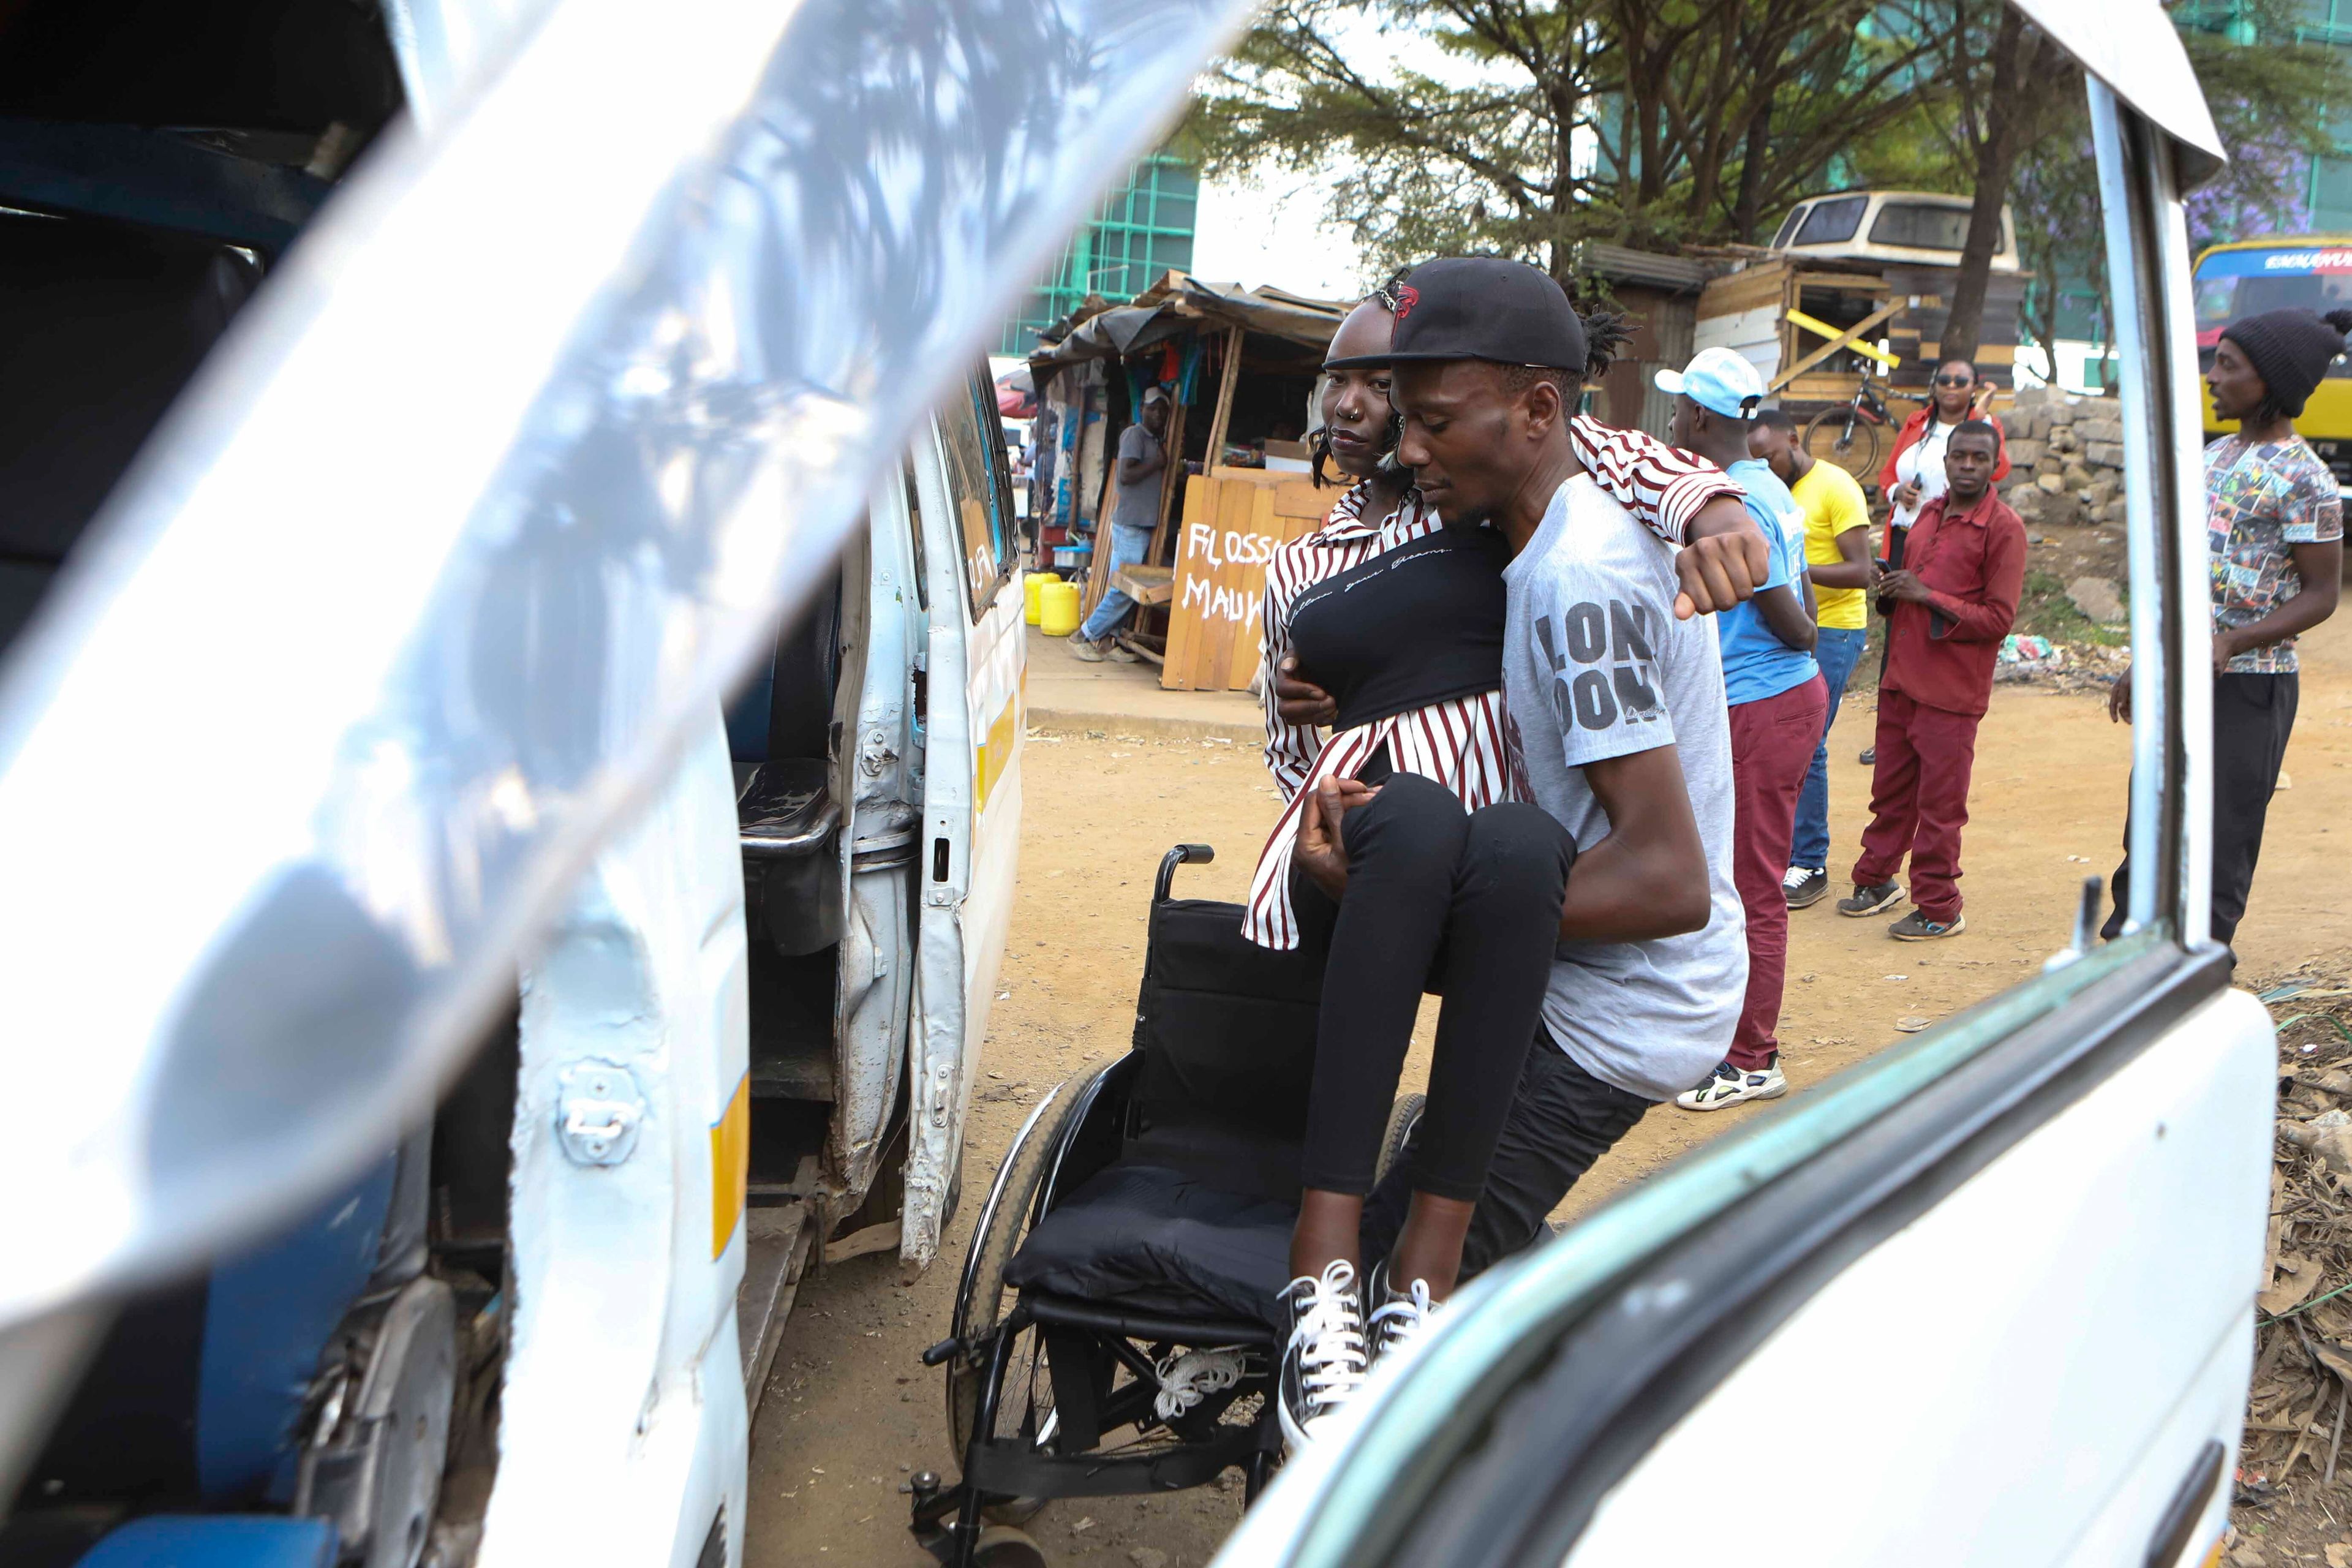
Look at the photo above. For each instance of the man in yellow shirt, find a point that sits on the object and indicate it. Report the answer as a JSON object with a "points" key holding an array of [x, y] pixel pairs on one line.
{"points": [[1838, 559]]}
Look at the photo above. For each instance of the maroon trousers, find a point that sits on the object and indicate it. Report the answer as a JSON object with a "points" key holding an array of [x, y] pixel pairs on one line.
{"points": [[1919, 800], [1772, 742]]}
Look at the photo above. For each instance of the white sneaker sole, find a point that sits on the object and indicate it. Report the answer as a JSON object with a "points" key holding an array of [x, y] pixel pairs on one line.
{"points": [[1739, 1096]]}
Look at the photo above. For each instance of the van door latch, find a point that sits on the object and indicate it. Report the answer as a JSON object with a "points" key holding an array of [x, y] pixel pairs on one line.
{"points": [[598, 1110]]}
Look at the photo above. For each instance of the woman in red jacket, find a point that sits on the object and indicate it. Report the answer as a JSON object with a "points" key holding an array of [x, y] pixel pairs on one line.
{"points": [[1914, 476]]}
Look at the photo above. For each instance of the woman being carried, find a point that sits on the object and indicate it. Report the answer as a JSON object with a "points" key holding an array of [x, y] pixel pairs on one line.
{"points": [[1454, 881]]}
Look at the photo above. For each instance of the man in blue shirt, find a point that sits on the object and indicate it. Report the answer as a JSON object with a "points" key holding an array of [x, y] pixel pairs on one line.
{"points": [[1778, 705]]}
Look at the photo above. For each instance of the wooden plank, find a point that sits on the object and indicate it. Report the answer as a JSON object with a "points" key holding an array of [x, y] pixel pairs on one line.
{"points": [[1849, 282], [1841, 341], [1223, 415], [1216, 655], [1299, 498], [1759, 283], [1140, 649], [1183, 625], [1146, 585], [1099, 562], [1756, 328]]}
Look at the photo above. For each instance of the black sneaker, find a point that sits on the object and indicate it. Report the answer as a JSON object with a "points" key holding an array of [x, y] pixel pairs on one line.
{"points": [[1399, 1317], [1872, 901], [1323, 1361], [1916, 927], [1869, 757], [1805, 886]]}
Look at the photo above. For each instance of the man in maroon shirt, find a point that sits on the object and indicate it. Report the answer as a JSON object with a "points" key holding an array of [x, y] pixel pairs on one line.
{"points": [[1946, 612]]}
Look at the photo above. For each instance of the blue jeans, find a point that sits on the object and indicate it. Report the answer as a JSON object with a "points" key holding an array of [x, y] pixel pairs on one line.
{"points": [[1837, 652], [1128, 546]]}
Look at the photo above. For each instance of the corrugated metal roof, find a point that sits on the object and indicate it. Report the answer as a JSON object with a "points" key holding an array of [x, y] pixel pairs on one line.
{"points": [[1180, 302]]}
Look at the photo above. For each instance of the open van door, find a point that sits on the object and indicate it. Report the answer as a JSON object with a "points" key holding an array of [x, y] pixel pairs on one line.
{"points": [[972, 724], [1985, 1300]]}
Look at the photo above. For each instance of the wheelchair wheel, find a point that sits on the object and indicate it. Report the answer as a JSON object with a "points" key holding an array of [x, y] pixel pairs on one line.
{"points": [[1002, 1546], [1025, 1408], [1403, 1117]]}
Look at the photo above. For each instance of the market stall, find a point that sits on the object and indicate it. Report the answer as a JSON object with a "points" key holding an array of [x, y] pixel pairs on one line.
{"points": [[1241, 365]]}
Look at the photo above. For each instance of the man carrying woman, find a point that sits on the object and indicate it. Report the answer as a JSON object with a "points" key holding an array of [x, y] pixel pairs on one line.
{"points": [[1407, 854]]}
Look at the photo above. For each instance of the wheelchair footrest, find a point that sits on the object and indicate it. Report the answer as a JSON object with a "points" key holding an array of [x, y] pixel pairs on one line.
{"points": [[1010, 1467]]}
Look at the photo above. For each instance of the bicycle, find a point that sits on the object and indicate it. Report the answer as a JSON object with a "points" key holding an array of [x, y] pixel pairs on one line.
{"points": [[1847, 433]]}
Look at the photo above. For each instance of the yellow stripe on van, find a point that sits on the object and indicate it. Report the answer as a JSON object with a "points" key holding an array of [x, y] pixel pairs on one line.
{"points": [[730, 1166], [990, 757]]}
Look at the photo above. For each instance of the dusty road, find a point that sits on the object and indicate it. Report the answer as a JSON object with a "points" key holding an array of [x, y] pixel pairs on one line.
{"points": [[850, 1409]]}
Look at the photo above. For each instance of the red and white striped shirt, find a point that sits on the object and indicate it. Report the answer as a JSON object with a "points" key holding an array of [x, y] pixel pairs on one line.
{"points": [[1467, 744]]}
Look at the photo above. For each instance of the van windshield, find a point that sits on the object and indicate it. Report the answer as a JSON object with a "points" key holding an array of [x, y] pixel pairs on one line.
{"points": [[2235, 283]]}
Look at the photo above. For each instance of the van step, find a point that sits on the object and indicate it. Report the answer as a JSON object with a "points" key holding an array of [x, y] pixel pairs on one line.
{"points": [[775, 1254], [793, 1078]]}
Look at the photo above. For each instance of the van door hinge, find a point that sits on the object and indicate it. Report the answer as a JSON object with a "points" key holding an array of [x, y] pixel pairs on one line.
{"points": [[597, 1112]]}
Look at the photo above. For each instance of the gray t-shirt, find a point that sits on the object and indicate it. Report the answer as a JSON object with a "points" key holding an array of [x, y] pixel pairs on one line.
{"points": [[1595, 666], [1139, 504]]}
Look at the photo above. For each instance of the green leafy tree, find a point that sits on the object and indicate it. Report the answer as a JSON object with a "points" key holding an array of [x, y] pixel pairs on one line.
{"points": [[2012, 125], [1526, 126]]}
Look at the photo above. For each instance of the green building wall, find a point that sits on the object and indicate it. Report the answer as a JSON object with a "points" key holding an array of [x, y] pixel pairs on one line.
{"points": [[1141, 228]]}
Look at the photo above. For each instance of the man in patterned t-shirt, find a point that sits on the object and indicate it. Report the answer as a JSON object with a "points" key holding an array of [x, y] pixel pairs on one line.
{"points": [[2274, 527]]}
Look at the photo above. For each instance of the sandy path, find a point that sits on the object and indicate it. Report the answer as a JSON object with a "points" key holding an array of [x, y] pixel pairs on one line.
{"points": [[851, 1410]]}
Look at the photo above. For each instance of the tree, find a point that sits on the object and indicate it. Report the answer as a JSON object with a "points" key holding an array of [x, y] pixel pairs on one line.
{"points": [[2005, 81], [1539, 123], [2015, 129]]}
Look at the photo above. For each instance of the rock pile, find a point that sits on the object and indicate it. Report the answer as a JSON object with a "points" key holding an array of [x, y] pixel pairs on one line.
{"points": [[2066, 458]]}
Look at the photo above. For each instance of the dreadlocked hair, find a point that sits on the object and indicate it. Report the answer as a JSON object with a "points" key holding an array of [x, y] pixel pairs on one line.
{"points": [[1606, 331]]}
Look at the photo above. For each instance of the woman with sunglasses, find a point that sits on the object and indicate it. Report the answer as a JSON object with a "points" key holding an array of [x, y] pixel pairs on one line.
{"points": [[1455, 880], [1914, 476]]}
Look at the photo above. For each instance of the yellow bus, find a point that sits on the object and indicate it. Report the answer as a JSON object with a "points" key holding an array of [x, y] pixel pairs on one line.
{"points": [[2250, 276]]}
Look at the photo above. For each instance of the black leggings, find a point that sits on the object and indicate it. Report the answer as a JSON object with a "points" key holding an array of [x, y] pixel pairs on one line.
{"points": [[2253, 715], [1465, 904]]}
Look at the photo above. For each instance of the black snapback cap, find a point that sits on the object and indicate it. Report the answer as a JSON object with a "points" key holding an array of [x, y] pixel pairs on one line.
{"points": [[1481, 307]]}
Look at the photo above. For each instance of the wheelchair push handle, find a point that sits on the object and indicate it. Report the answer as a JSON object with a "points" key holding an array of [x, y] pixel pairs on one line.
{"points": [[1197, 854]]}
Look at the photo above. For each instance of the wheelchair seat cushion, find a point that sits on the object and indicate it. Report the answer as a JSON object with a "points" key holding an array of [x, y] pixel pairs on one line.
{"points": [[1144, 1235]]}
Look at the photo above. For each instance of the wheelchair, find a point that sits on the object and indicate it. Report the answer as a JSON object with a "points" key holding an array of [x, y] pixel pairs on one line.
{"points": [[1116, 1324]]}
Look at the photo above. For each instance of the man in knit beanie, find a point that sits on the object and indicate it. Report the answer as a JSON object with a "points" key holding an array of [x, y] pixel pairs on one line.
{"points": [[2275, 528]]}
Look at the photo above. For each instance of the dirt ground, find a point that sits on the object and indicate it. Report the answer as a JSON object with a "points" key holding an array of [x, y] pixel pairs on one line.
{"points": [[850, 1410]]}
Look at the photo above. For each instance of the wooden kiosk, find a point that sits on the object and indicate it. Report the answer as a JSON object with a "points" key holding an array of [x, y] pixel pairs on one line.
{"points": [[1244, 363]]}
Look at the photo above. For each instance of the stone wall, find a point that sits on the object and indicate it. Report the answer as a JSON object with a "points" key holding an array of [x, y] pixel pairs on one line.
{"points": [[2066, 458]]}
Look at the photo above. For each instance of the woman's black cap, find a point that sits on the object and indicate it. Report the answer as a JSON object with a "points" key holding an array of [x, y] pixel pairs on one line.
{"points": [[1481, 307], [2291, 350]]}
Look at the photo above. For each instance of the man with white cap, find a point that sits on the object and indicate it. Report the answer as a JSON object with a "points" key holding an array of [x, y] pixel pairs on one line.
{"points": [[1778, 702]]}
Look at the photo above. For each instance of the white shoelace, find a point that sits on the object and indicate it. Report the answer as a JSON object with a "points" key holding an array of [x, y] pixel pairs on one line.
{"points": [[1796, 875], [1330, 1337], [1186, 1380], [1399, 1322]]}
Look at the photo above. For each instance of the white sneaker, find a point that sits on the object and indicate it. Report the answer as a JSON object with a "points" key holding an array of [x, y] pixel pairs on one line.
{"points": [[1727, 1086], [1400, 1321], [1323, 1363]]}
